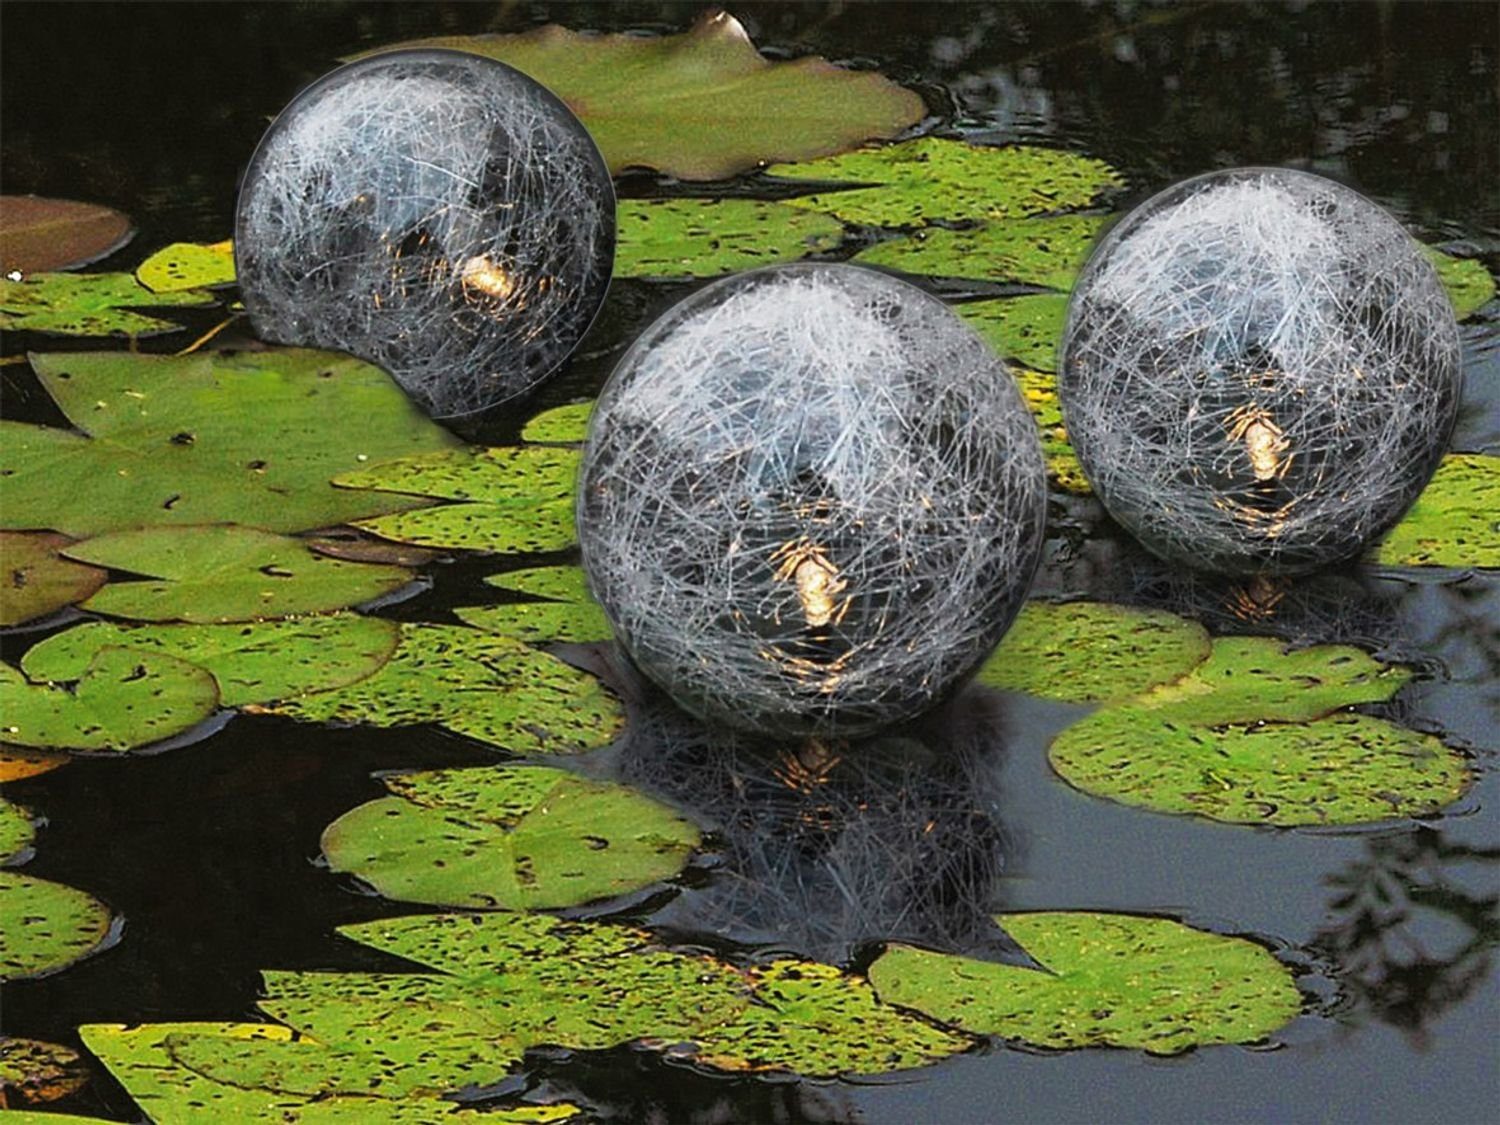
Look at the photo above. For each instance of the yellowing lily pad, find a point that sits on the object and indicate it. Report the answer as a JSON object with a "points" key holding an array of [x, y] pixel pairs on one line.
{"points": [[569, 613], [1046, 251], [1039, 392], [57, 234], [1470, 286], [1025, 330], [702, 105], [1456, 520], [188, 265], [1113, 980], [17, 764], [562, 425], [46, 926], [33, 1072], [508, 837], [89, 304], [35, 580], [707, 237]]}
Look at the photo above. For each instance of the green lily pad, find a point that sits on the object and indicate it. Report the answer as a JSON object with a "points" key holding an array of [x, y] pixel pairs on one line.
{"points": [[933, 179], [213, 437], [508, 837], [1456, 520], [255, 662], [1047, 251], [562, 425], [33, 1072], [123, 700], [708, 237], [1111, 980], [17, 830], [569, 614], [492, 688], [1470, 286], [89, 304], [702, 105], [45, 926], [188, 265], [557, 583], [225, 573], [57, 234], [1025, 330], [1086, 652], [516, 528], [36, 580]]}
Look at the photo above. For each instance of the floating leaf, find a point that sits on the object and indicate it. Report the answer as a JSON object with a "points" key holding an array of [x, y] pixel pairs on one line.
{"points": [[1109, 980], [188, 265], [1470, 286], [226, 573], [703, 105], [16, 830], [1024, 330], [508, 837], [45, 926], [1456, 520], [1039, 392], [89, 304], [57, 234], [570, 614], [123, 700], [1085, 652], [36, 581], [33, 1072], [354, 545], [562, 425], [516, 528], [1048, 252], [214, 437], [253, 662], [17, 764], [492, 688], [931, 178], [559, 583], [708, 237]]}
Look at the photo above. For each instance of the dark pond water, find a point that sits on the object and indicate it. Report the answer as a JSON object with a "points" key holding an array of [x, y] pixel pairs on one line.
{"points": [[209, 852]]}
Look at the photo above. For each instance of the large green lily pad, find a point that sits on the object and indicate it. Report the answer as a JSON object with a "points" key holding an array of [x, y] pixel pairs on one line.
{"points": [[1025, 330], [707, 237], [89, 304], [1456, 520], [1470, 286], [124, 699], [1113, 980], [33, 1072], [492, 688], [508, 837], [35, 580], [1047, 251], [561, 425], [569, 613], [17, 830], [224, 573], [254, 662], [702, 105], [45, 926], [251, 438], [188, 265], [57, 234], [1087, 652], [934, 179]]}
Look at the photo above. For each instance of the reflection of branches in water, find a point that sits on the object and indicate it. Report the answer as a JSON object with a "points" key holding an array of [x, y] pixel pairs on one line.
{"points": [[1396, 913], [832, 844]]}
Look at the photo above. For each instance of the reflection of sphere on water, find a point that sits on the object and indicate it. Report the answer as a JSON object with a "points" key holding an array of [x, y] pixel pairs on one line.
{"points": [[1260, 371], [434, 212], [811, 500]]}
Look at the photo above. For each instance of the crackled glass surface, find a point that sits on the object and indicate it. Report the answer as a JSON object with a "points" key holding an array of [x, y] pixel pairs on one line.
{"points": [[1260, 371], [811, 501], [435, 212]]}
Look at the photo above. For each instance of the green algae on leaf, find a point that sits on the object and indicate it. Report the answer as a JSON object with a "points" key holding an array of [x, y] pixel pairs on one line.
{"points": [[250, 438], [508, 837], [17, 830], [1470, 286], [1046, 252], [1085, 652], [33, 1072], [188, 265], [57, 234], [701, 105], [1455, 521], [562, 425], [35, 580], [254, 662], [45, 926], [1107, 980], [89, 304], [708, 237], [1024, 330], [124, 699], [569, 613], [221, 573]]}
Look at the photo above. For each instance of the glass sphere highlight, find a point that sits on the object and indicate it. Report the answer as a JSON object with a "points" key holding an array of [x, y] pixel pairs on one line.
{"points": [[811, 501], [1260, 371], [436, 213]]}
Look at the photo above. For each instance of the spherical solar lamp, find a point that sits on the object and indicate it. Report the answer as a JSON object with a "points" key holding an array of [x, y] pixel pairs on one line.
{"points": [[811, 501], [436, 213], [1260, 371]]}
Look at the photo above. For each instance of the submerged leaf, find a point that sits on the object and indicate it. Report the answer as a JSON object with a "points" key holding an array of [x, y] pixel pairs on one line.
{"points": [[17, 764], [1047, 252], [33, 1072], [1456, 520], [187, 265], [45, 926], [89, 304], [1024, 330], [1107, 980], [707, 237], [562, 425], [57, 234], [35, 580]]}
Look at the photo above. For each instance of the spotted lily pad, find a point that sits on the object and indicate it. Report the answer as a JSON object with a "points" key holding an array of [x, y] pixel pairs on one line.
{"points": [[45, 926], [33, 1072], [35, 580], [1470, 286], [1025, 330], [1249, 737], [188, 265], [1456, 520], [225, 573], [124, 699], [707, 237], [1047, 251], [702, 105], [17, 830], [1087, 652], [562, 425], [1114, 980], [508, 837], [492, 688], [1039, 392], [569, 613], [254, 662], [89, 304], [57, 234], [213, 437]]}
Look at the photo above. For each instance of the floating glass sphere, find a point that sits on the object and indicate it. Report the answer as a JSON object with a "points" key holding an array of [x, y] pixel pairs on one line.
{"points": [[811, 501], [1260, 371], [436, 213]]}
